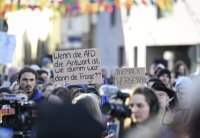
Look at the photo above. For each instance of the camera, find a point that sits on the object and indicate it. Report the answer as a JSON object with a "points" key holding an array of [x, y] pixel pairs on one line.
{"points": [[115, 106], [115, 109], [17, 113]]}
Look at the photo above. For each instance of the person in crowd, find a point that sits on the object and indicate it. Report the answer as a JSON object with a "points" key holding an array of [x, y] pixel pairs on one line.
{"points": [[60, 95], [92, 103], [152, 69], [182, 110], [40, 84], [67, 121], [164, 94], [14, 86], [111, 79], [43, 74], [145, 107], [165, 76], [183, 87], [77, 89], [180, 69], [47, 65], [27, 80], [148, 77], [77, 92], [144, 104], [152, 81], [158, 67], [8, 73], [48, 88], [168, 102], [13, 78], [104, 75], [92, 88], [35, 67]]}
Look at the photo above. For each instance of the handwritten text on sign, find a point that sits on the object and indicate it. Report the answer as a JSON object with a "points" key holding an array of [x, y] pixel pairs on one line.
{"points": [[81, 66], [128, 77]]}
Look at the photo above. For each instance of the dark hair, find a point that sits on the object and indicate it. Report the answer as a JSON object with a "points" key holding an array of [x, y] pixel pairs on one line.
{"points": [[63, 121], [154, 80], [164, 71], [150, 98], [63, 93], [177, 66], [27, 69], [42, 71], [159, 86], [46, 85], [5, 89]]}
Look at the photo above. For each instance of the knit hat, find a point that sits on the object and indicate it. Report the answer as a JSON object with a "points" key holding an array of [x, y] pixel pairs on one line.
{"points": [[161, 87], [164, 71]]}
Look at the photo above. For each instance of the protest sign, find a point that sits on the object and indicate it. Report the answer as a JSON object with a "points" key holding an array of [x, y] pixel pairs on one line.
{"points": [[80, 66], [7, 48], [126, 78]]}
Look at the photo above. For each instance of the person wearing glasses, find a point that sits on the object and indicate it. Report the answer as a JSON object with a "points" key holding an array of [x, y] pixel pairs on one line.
{"points": [[163, 93]]}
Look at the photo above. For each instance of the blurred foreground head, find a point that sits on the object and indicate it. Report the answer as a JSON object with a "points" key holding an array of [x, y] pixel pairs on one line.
{"points": [[67, 121], [92, 104], [184, 91]]}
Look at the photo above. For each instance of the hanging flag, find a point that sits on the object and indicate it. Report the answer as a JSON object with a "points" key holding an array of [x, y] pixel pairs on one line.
{"points": [[84, 6], [144, 2], [164, 8], [117, 4], [137, 2], [153, 2], [2, 7], [129, 4]]}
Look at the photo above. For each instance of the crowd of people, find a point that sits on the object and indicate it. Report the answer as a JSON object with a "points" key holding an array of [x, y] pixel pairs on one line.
{"points": [[166, 106]]}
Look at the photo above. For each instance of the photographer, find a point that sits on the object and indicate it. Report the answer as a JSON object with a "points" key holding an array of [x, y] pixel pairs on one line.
{"points": [[22, 122], [113, 105], [17, 114]]}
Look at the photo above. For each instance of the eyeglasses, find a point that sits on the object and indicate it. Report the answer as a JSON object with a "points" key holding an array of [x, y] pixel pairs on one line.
{"points": [[161, 95]]}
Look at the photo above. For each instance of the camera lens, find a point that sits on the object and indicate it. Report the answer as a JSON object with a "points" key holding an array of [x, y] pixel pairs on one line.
{"points": [[106, 108], [116, 110]]}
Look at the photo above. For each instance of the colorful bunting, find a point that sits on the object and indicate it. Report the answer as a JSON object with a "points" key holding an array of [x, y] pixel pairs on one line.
{"points": [[81, 6]]}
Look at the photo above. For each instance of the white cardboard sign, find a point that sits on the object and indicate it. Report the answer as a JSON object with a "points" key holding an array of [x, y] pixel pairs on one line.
{"points": [[126, 78], [80, 66]]}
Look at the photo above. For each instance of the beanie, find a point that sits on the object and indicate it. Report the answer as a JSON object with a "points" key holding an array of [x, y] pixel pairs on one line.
{"points": [[164, 71]]}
